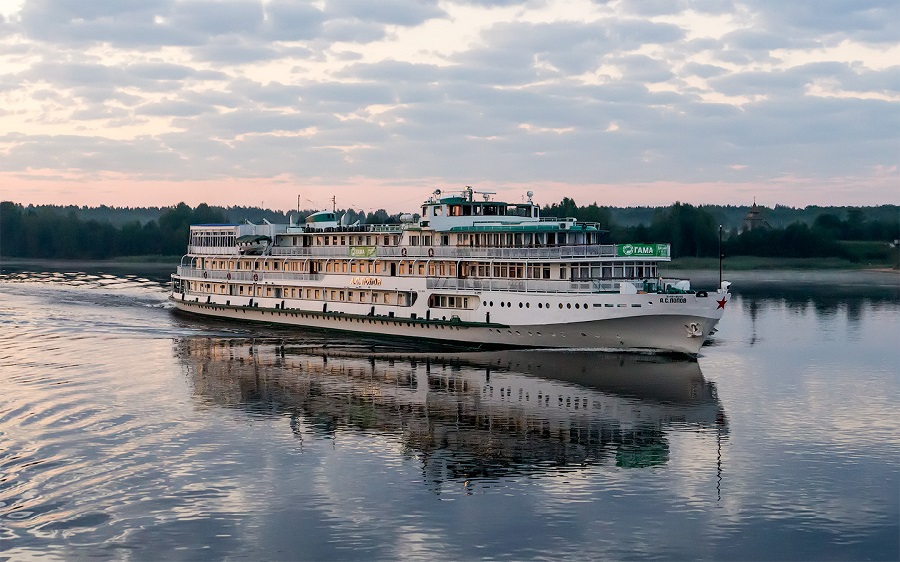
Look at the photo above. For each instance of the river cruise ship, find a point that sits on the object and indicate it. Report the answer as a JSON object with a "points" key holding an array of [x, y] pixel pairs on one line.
{"points": [[469, 270]]}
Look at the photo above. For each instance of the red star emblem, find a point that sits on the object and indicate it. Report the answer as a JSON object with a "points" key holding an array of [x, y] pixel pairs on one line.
{"points": [[721, 303]]}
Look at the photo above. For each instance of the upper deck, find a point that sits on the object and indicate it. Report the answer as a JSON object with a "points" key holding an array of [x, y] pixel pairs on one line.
{"points": [[451, 227]]}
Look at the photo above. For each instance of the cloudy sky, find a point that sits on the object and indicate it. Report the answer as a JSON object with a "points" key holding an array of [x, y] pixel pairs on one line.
{"points": [[379, 102]]}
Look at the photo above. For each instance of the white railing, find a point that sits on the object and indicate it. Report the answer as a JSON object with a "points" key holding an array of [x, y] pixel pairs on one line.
{"points": [[526, 285], [434, 252], [246, 276], [462, 252], [213, 250]]}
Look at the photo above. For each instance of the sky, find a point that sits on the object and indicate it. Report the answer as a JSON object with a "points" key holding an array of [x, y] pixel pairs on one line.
{"points": [[380, 102]]}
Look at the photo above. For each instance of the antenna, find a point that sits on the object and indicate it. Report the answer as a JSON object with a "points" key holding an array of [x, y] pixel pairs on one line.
{"points": [[333, 204], [529, 194]]}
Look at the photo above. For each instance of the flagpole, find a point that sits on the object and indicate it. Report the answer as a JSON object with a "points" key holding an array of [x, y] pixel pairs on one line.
{"points": [[720, 255]]}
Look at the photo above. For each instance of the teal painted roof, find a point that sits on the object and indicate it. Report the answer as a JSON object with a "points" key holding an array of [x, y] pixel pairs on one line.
{"points": [[321, 216]]}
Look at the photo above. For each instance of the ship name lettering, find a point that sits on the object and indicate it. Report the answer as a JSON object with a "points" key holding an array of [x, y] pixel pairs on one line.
{"points": [[667, 300], [371, 281]]}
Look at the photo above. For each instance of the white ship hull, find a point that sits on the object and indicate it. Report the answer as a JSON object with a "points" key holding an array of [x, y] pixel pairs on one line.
{"points": [[674, 327], [481, 273]]}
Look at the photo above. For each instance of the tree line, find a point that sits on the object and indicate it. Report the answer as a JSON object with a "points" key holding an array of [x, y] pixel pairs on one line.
{"points": [[693, 231], [54, 232], [43, 232]]}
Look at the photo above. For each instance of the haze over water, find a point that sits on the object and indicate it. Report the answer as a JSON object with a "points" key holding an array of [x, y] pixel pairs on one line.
{"points": [[129, 432]]}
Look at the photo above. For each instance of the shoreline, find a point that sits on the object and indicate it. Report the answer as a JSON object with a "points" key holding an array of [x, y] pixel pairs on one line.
{"points": [[704, 279], [112, 264]]}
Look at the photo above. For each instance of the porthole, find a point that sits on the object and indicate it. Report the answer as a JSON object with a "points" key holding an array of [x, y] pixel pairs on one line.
{"points": [[540, 305], [527, 305], [484, 303], [560, 305], [520, 305], [577, 305], [502, 304], [492, 303], [568, 305], [509, 304], [585, 306]]}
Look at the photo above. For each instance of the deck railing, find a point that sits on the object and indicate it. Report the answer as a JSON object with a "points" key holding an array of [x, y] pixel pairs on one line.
{"points": [[525, 285], [458, 252], [246, 276], [431, 252]]}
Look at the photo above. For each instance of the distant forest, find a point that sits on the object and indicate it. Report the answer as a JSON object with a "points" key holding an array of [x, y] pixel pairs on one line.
{"points": [[852, 233]]}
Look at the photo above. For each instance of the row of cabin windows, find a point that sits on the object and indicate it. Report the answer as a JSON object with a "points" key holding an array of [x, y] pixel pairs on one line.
{"points": [[336, 295], [482, 210], [215, 238], [342, 240], [414, 240], [609, 270], [508, 270], [483, 239], [527, 239]]}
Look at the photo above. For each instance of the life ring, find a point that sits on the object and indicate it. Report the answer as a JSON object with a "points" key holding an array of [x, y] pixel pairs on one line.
{"points": [[403, 252], [205, 274], [430, 252], [255, 277], [228, 276]]}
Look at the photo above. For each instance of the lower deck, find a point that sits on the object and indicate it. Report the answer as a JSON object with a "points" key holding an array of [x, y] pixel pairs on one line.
{"points": [[680, 332]]}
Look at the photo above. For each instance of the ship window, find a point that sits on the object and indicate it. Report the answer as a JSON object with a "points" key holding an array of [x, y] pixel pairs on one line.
{"points": [[413, 240], [438, 210]]}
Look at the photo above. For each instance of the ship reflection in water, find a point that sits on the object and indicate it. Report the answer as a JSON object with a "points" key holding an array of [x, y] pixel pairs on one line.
{"points": [[467, 415]]}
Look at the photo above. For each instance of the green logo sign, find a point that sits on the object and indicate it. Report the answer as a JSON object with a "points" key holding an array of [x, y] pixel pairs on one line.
{"points": [[362, 251], [642, 250]]}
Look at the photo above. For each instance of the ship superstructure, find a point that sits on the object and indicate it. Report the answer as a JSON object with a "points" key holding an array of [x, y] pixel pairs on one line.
{"points": [[469, 270]]}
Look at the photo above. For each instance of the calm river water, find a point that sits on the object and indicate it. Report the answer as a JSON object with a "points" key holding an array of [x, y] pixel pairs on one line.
{"points": [[129, 432]]}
